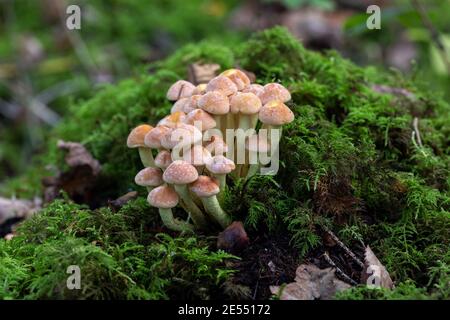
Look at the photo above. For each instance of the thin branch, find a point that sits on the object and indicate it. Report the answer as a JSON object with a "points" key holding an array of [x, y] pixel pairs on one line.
{"points": [[344, 247], [338, 270]]}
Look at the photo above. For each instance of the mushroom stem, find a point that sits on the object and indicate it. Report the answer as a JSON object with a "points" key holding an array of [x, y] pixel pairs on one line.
{"points": [[173, 223], [196, 214], [212, 206], [147, 157]]}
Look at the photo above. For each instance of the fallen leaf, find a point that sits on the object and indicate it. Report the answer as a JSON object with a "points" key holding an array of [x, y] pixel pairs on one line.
{"points": [[311, 283], [233, 239], [374, 273]]}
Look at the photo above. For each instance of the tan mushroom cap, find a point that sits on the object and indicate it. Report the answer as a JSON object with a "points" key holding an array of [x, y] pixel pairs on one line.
{"points": [[275, 113], [180, 89], [200, 89], [181, 135], [214, 102], [274, 91], [254, 88], [222, 84], [192, 103], [153, 138], [172, 119], [197, 156], [217, 145], [180, 172], [163, 159], [246, 103], [202, 118], [238, 77], [205, 186], [163, 197], [256, 143], [137, 135], [220, 165], [149, 177], [179, 105]]}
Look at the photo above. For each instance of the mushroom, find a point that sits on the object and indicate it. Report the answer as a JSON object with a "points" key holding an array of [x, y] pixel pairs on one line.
{"points": [[254, 88], [149, 177], [180, 173], [238, 77], [220, 166], [222, 84], [274, 114], [247, 105], [172, 119], [217, 146], [200, 119], [180, 137], [255, 144], [180, 89], [198, 156], [216, 103], [163, 159], [136, 140], [274, 91], [153, 137], [179, 105], [200, 89], [165, 198], [206, 188], [191, 103]]}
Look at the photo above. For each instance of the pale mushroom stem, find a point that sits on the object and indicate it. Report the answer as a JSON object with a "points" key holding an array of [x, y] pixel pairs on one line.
{"points": [[212, 206], [196, 214], [173, 223], [146, 157], [244, 124], [252, 168]]}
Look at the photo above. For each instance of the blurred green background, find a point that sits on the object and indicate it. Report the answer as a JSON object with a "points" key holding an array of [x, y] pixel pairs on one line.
{"points": [[44, 67]]}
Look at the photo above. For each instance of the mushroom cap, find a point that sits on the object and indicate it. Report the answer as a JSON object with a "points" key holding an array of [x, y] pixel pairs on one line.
{"points": [[238, 77], [197, 156], [255, 143], [222, 84], [217, 145], [172, 119], [180, 89], [181, 135], [274, 91], [163, 159], [136, 137], [275, 113], [180, 172], [246, 103], [200, 89], [214, 102], [205, 186], [200, 117], [163, 197], [192, 103], [153, 138], [149, 177], [179, 105], [254, 88], [220, 165]]}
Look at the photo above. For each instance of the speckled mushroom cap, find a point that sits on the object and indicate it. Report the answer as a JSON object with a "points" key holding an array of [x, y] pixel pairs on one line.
{"points": [[274, 91], [203, 118], [275, 113], [217, 146], [192, 103], [163, 159], [149, 177], [222, 84], [180, 89], [179, 105], [246, 103], [181, 135], [254, 88], [137, 135], [197, 156], [205, 186], [220, 165], [163, 197], [200, 89], [238, 77], [180, 172], [214, 102], [153, 137], [256, 143], [172, 119]]}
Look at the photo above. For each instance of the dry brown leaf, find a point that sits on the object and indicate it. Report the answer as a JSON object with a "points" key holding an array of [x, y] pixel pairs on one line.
{"points": [[311, 283], [374, 273]]}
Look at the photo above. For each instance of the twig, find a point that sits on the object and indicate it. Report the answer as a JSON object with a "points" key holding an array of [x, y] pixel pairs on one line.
{"points": [[433, 32], [338, 270], [417, 132], [344, 247]]}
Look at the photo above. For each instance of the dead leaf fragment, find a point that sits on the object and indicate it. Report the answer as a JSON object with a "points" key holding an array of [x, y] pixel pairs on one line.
{"points": [[375, 273], [233, 239], [311, 283]]}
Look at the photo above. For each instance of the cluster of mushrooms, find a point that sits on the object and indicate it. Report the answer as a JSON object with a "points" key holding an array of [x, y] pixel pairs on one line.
{"points": [[186, 156]]}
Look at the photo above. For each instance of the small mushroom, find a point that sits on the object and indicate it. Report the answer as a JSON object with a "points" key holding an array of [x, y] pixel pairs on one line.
{"points": [[206, 188], [274, 91], [200, 89], [149, 177], [217, 146], [153, 137], [179, 105], [217, 104], [247, 105], [220, 166], [173, 119], [180, 173], [275, 113], [254, 88], [181, 136], [238, 77], [136, 140], [163, 159], [191, 103], [222, 84], [198, 156], [201, 119], [180, 89], [165, 198]]}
